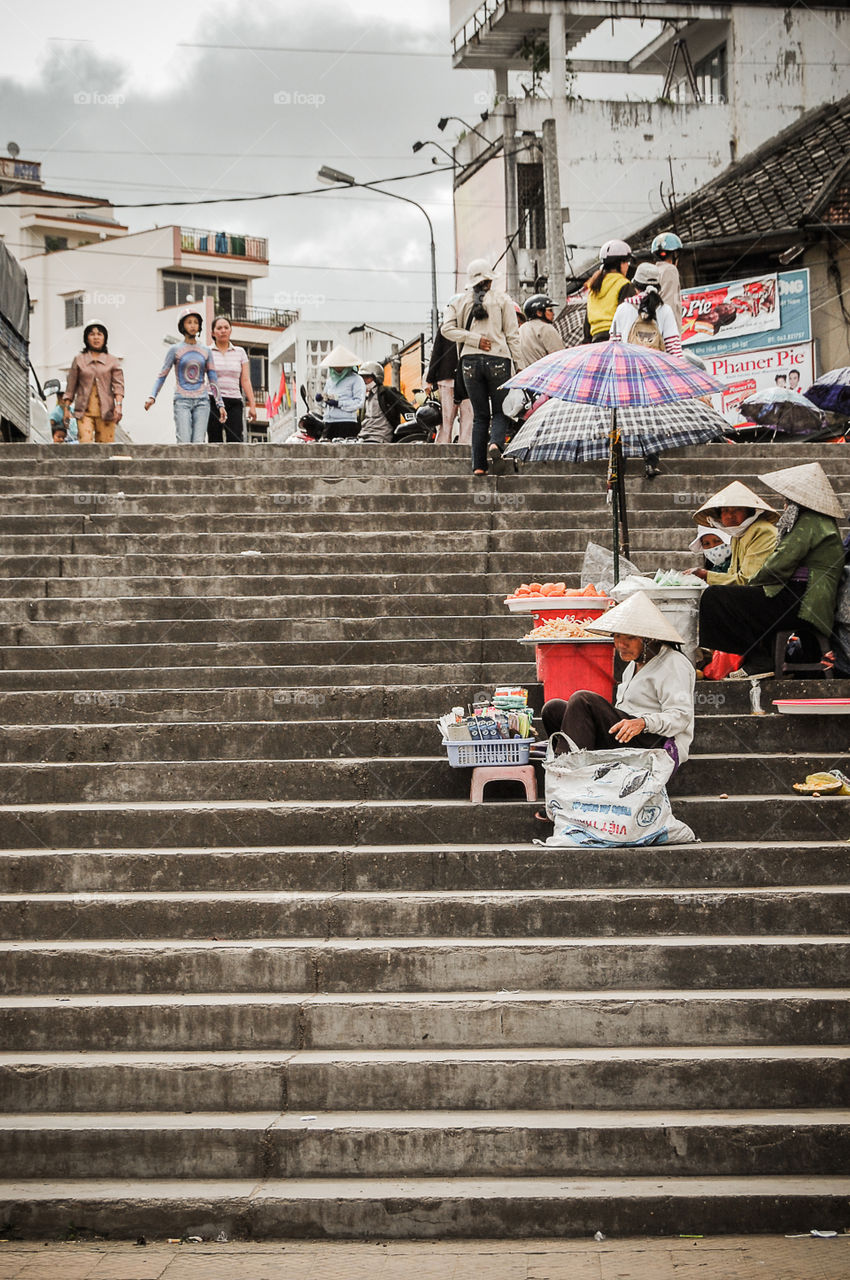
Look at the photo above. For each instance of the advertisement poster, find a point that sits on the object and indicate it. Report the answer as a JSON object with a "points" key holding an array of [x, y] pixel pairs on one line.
{"points": [[791, 368], [794, 314], [737, 308]]}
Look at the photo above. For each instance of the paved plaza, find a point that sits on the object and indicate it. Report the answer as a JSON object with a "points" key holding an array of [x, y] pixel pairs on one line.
{"points": [[718, 1258]]}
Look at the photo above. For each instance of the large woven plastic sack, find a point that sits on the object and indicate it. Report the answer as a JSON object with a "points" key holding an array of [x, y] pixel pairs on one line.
{"points": [[611, 798]]}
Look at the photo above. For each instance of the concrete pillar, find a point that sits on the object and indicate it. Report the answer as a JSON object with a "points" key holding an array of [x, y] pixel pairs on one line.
{"points": [[501, 88], [508, 114], [558, 54], [556, 264]]}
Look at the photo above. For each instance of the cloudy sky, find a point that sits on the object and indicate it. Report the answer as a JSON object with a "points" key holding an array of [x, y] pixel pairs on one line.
{"points": [[180, 102]]}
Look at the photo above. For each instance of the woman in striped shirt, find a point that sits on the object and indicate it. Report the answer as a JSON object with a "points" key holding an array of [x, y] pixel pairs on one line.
{"points": [[234, 382]]}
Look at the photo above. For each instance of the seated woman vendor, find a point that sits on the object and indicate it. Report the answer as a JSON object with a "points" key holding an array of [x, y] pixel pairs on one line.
{"points": [[749, 522], [796, 587], [654, 702]]}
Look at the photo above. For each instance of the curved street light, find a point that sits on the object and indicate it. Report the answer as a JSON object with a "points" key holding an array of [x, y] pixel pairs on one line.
{"points": [[337, 178]]}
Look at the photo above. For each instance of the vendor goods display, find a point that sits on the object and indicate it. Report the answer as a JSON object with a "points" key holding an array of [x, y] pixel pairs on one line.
{"points": [[559, 629], [498, 732], [548, 589]]}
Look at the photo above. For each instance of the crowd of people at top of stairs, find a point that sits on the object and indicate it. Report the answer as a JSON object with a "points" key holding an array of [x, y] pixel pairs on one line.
{"points": [[484, 337]]}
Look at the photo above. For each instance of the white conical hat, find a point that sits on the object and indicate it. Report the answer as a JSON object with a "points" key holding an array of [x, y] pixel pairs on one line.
{"points": [[340, 358], [806, 485], [702, 530], [636, 616], [735, 494]]}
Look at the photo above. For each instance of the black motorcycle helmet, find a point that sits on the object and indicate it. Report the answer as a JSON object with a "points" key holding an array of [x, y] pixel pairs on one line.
{"points": [[535, 306], [429, 415]]}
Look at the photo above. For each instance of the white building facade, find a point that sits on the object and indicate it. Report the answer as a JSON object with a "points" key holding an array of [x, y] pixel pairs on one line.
{"points": [[82, 265], [719, 79]]}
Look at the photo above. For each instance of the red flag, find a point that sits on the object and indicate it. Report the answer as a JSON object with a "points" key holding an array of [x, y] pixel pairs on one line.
{"points": [[280, 395]]}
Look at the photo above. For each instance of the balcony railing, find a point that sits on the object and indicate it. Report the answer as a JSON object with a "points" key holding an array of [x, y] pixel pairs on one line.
{"points": [[266, 317], [193, 240]]}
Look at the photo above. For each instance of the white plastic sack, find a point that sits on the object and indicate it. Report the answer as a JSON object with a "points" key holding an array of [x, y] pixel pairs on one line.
{"points": [[613, 797], [514, 403]]}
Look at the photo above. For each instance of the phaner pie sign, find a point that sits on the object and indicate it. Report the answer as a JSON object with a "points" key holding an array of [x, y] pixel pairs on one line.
{"points": [[745, 372]]}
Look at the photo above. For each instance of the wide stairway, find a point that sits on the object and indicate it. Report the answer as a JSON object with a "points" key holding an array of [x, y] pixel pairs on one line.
{"points": [[267, 972]]}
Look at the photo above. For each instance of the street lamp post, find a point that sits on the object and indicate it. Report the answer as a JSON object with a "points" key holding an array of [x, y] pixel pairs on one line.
{"points": [[337, 177]]}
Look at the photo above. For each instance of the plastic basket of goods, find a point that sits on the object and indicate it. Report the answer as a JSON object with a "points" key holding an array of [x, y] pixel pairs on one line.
{"points": [[463, 755]]}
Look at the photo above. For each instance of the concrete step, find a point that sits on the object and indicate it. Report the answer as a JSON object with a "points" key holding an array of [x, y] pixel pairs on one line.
{"points": [[231, 915], [435, 1208], [175, 964], [536, 564], [447, 1020], [308, 777], [186, 630], [201, 822], [515, 667], [464, 1079], [417, 1143], [421, 867], [273, 740]]}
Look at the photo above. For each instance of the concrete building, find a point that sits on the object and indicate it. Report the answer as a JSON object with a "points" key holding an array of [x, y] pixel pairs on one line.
{"points": [[723, 79], [83, 264]]}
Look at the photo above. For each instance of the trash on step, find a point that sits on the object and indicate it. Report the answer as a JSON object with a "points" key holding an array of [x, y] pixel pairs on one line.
{"points": [[309, 1117], [755, 699], [141, 1242], [222, 1238], [250, 553], [173, 1240], [724, 795], [597, 1235], [823, 1235], [194, 1240], [830, 782]]}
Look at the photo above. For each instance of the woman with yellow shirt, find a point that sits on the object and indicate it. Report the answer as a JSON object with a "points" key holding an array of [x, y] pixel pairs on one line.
{"points": [[607, 288], [750, 522]]}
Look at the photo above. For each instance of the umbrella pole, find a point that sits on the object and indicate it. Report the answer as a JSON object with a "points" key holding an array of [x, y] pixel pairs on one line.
{"points": [[614, 491], [621, 494]]}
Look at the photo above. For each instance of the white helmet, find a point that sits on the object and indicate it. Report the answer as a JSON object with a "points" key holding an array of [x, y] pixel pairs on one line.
{"points": [[615, 249]]}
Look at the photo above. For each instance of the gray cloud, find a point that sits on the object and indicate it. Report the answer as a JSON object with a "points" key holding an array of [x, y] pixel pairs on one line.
{"points": [[238, 122]]}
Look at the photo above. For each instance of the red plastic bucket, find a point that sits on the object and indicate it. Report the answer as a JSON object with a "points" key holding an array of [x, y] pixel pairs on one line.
{"points": [[565, 666]]}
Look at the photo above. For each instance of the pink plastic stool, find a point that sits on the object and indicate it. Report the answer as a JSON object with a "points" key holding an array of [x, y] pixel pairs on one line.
{"points": [[482, 774]]}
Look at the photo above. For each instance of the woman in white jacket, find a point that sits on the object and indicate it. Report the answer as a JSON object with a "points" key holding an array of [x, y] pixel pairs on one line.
{"points": [[482, 321], [654, 702]]}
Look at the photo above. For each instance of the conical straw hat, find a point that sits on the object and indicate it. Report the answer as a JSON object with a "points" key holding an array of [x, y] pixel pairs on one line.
{"points": [[806, 485], [340, 358], [636, 616], [735, 494]]}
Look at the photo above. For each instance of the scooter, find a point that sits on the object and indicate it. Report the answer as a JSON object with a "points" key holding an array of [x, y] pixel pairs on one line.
{"points": [[420, 427]]}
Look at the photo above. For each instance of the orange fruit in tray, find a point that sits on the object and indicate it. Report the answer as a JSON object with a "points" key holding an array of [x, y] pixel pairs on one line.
{"points": [[535, 587]]}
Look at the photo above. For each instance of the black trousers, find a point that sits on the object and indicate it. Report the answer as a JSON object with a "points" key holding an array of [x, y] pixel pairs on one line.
{"points": [[587, 718], [340, 430], [230, 432], [744, 620]]}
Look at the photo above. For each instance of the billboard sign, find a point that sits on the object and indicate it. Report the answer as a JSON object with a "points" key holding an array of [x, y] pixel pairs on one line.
{"points": [[790, 368], [737, 308], [795, 323]]}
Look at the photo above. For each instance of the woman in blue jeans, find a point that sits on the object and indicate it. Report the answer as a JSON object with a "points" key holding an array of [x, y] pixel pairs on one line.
{"points": [[482, 321], [194, 371]]}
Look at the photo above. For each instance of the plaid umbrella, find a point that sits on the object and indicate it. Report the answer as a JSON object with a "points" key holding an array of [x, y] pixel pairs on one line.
{"points": [[831, 392], [562, 432], [615, 374]]}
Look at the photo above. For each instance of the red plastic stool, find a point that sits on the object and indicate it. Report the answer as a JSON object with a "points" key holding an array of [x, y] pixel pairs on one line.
{"points": [[482, 774]]}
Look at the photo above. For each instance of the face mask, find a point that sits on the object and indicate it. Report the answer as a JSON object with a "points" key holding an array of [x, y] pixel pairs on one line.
{"points": [[716, 555]]}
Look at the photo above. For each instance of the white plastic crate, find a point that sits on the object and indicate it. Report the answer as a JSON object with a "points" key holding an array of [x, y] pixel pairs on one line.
{"points": [[465, 755]]}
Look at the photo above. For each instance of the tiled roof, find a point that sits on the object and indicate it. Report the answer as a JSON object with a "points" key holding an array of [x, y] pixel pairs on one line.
{"points": [[801, 176]]}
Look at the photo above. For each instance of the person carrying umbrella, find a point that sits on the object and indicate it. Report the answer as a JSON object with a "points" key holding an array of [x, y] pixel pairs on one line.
{"points": [[654, 702], [749, 523], [796, 587]]}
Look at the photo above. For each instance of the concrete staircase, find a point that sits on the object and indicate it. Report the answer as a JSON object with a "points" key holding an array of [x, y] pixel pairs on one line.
{"points": [[266, 970]]}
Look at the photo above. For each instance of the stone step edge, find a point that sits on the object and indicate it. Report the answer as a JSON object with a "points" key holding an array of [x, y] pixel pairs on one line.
{"points": [[425, 943], [401, 851], [484, 896], [609, 996], [424, 1120]]}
